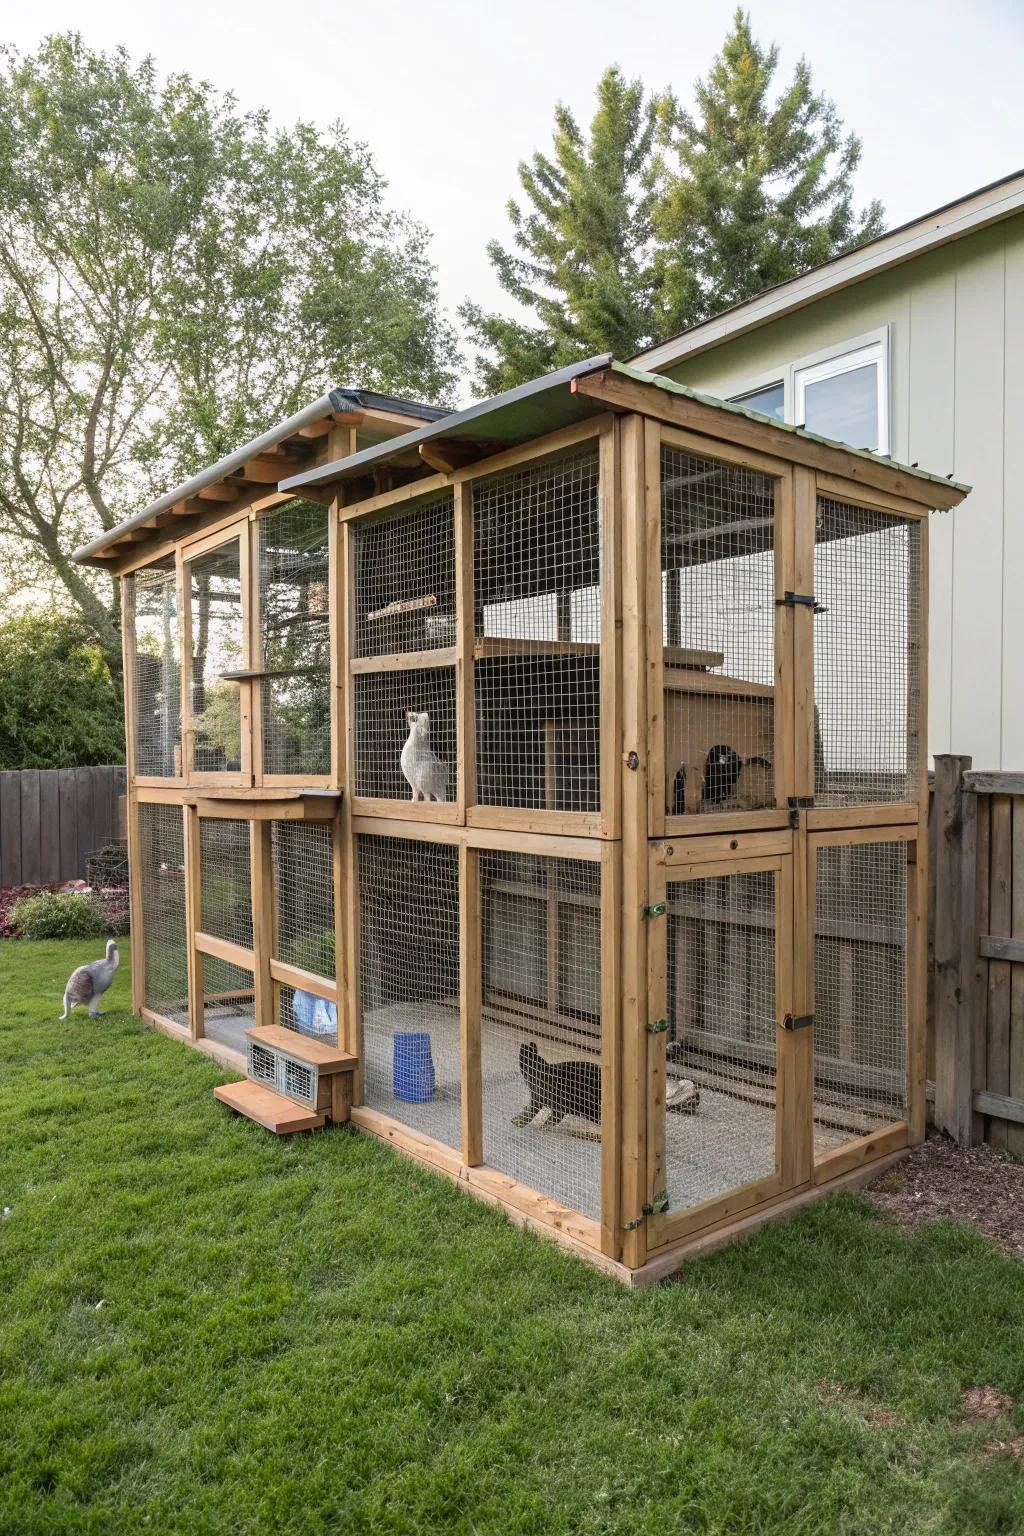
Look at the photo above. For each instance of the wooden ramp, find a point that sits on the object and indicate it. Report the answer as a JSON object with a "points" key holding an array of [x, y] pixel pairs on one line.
{"points": [[269, 1109]]}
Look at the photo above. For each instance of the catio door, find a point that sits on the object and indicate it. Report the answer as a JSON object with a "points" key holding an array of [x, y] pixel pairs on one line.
{"points": [[216, 698], [865, 974], [723, 1119]]}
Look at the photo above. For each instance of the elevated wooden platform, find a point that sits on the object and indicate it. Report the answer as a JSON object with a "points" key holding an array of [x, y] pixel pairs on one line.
{"points": [[326, 1058], [271, 1110]]}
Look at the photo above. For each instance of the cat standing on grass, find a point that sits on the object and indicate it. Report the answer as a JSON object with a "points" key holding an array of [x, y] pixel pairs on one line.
{"points": [[423, 769]]}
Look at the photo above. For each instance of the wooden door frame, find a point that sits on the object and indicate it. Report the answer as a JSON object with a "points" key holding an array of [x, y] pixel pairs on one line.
{"points": [[688, 862]]}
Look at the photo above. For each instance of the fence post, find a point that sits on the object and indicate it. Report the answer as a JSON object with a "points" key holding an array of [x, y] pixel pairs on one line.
{"points": [[956, 948]]}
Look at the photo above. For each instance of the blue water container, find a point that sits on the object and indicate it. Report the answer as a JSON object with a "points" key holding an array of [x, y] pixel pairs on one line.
{"points": [[413, 1076]]}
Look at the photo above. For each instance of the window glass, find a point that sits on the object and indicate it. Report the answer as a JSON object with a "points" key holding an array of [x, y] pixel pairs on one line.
{"points": [[770, 401], [844, 406]]}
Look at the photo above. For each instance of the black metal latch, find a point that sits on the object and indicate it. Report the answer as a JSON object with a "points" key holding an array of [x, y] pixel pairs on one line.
{"points": [[801, 600], [796, 804], [793, 1021]]}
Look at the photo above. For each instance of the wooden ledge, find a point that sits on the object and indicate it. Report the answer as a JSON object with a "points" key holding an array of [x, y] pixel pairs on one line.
{"points": [[269, 1109], [326, 1058]]}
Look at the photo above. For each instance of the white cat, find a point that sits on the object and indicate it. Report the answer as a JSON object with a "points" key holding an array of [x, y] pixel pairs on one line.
{"points": [[422, 767]]}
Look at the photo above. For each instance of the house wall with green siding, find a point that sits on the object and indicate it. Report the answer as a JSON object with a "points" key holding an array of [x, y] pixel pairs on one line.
{"points": [[956, 328]]}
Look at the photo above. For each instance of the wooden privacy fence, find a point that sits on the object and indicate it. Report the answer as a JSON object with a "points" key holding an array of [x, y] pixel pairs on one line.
{"points": [[978, 938], [52, 819]]}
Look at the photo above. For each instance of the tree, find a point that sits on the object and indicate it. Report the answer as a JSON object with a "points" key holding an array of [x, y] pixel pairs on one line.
{"points": [[59, 705], [662, 216], [751, 191], [582, 262], [176, 276]]}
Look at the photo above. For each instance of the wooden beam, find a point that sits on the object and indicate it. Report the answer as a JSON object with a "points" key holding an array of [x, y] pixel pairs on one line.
{"points": [[999, 1105], [625, 394], [218, 492], [452, 454]]}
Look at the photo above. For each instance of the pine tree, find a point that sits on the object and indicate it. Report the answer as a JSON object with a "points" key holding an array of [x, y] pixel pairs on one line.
{"points": [[751, 190], [582, 263]]}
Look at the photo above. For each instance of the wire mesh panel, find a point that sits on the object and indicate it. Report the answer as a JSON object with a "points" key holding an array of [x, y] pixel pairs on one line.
{"points": [[228, 1008], [409, 982], [302, 858], [860, 993], [867, 655], [218, 647], [403, 577], [541, 1024], [294, 596], [161, 873], [309, 1015], [718, 628], [156, 679], [537, 574], [225, 898], [405, 734], [720, 1093]]}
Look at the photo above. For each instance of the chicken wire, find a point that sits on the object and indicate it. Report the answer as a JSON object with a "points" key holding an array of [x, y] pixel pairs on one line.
{"points": [[294, 598], [382, 704], [403, 575], [721, 1038], [156, 671], [218, 647], [537, 622], [225, 898], [860, 997], [228, 1006], [540, 1029], [303, 864], [160, 862], [408, 894], [867, 655], [718, 629]]}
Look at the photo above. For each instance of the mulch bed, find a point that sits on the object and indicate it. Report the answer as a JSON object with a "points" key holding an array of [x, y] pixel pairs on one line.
{"points": [[113, 900], [940, 1180]]}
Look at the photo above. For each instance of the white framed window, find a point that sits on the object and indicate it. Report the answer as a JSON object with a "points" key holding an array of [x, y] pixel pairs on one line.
{"points": [[841, 392]]}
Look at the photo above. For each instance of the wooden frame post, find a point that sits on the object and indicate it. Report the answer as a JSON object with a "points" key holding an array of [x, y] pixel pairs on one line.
{"points": [[956, 943], [639, 489]]}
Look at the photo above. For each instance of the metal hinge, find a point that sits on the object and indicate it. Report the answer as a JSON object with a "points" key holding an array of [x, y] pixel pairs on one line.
{"points": [[656, 910], [801, 600], [797, 1020], [658, 1027]]}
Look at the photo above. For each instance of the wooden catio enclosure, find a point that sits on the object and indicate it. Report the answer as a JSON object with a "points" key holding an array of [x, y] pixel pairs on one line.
{"points": [[544, 786]]}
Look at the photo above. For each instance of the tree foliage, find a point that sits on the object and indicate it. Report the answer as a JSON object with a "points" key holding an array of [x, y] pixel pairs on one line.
{"points": [[59, 705], [582, 262], [751, 190], [660, 217], [175, 276]]}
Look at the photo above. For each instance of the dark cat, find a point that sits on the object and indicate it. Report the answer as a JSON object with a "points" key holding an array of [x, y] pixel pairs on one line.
{"points": [[564, 1087]]}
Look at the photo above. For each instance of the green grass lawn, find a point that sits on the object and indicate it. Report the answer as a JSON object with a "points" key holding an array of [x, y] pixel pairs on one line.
{"points": [[205, 1329]]}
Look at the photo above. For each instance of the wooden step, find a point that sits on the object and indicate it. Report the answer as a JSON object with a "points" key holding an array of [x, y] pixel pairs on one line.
{"points": [[269, 1109], [326, 1058]]}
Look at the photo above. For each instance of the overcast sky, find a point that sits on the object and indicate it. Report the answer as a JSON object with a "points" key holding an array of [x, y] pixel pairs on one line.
{"points": [[451, 95]]}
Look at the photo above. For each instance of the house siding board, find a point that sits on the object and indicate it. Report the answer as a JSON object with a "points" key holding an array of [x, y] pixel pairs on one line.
{"points": [[956, 321], [1013, 511]]}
